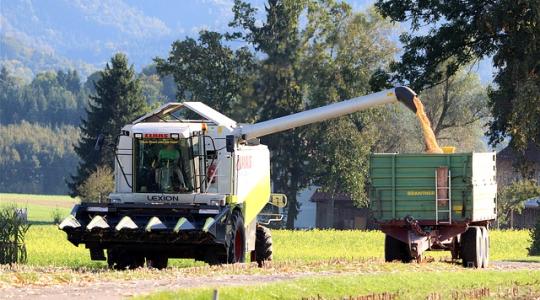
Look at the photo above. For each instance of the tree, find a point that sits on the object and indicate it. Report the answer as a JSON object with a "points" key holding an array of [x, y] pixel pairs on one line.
{"points": [[207, 71], [456, 33], [511, 199], [278, 38], [329, 59], [534, 249], [36, 159], [458, 110], [344, 50], [97, 186], [118, 101]]}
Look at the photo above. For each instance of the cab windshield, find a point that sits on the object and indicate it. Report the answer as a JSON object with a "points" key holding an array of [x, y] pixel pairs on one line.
{"points": [[163, 166]]}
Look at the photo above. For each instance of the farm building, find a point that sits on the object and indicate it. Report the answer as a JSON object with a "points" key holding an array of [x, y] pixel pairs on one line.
{"points": [[507, 159], [339, 212], [529, 215], [506, 174]]}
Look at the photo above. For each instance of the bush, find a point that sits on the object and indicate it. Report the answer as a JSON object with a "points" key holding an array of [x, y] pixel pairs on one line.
{"points": [[534, 249], [56, 215], [13, 228], [97, 186]]}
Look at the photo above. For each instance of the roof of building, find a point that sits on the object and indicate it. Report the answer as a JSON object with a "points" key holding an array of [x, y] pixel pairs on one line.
{"points": [[532, 203], [324, 196], [532, 153]]}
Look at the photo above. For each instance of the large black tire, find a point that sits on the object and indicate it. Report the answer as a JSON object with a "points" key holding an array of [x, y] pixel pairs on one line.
{"points": [[455, 250], [485, 240], [263, 245], [121, 259], [395, 249], [157, 262], [237, 242], [472, 247]]}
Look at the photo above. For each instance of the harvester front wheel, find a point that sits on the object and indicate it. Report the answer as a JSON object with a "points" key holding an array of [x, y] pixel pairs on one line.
{"points": [[237, 242], [263, 245], [157, 262], [121, 259]]}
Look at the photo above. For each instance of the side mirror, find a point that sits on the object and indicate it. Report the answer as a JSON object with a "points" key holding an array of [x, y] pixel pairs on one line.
{"points": [[229, 143], [99, 142]]}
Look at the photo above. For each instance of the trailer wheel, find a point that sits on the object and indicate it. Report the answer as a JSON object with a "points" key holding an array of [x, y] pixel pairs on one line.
{"points": [[263, 245], [485, 240], [237, 242], [157, 262], [455, 251], [121, 259], [472, 247], [395, 249]]}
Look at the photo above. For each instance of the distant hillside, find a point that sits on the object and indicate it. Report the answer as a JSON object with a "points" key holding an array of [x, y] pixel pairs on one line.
{"points": [[42, 35], [24, 61]]}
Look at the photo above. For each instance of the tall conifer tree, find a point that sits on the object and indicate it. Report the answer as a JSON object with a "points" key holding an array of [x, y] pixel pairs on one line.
{"points": [[118, 100]]}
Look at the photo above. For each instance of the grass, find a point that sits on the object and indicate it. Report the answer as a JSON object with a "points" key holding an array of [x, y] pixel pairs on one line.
{"points": [[403, 285], [357, 255], [23, 198], [40, 207], [48, 246]]}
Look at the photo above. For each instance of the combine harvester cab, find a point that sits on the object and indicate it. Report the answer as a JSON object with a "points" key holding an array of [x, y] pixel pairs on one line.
{"points": [[191, 183], [435, 202]]}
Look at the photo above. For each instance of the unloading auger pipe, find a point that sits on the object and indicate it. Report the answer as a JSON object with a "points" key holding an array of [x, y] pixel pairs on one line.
{"points": [[334, 110]]}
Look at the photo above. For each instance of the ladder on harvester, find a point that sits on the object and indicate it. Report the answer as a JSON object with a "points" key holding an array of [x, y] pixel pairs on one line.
{"points": [[443, 195]]}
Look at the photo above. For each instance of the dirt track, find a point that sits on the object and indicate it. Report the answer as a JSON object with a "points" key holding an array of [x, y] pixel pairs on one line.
{"points": [[123, 289]]}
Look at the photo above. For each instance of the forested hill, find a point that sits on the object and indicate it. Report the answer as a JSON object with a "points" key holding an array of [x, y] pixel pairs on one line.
{"points": [[39, 125]]}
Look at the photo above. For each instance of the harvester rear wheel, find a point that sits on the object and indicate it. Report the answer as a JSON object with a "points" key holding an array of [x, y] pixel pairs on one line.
{"points": [[121, 259], [237, 242], [395, 249], [472, 247], [263, 245], [157, 262]]}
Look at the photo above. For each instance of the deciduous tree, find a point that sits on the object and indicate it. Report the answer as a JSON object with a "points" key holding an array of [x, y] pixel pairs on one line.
{"points": [[456, 33]]}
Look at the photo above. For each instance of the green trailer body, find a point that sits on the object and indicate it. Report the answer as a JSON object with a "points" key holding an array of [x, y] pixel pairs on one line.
{"points": [[404, 185], [428, 201]]}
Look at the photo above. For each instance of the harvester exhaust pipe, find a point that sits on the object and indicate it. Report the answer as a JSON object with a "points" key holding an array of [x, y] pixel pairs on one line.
{"points": [[334, 110]]}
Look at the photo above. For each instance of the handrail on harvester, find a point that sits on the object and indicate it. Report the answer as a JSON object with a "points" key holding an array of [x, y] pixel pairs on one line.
{"points": [[334, 110]]}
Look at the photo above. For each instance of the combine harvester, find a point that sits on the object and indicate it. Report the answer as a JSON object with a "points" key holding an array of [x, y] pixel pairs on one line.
{"points": [[190, 183]]}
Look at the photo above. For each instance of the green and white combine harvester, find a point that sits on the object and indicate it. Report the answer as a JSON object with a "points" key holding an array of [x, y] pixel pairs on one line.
{"points": [[191, 183]]}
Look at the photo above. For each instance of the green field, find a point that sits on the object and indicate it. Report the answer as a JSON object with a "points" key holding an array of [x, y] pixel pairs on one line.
{"points": [[353, 260], [407, 285]]}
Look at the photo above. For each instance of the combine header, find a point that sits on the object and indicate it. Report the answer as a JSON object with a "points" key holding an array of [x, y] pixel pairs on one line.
{"points": [[190, 183]]}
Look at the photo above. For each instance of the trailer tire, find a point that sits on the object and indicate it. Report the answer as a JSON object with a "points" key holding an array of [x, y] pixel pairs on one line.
{"points": [[263, 245], [121, 259], [485, 240], [395, 249], [455, 250], [237, 243], [472, 247], [159, 262]]}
